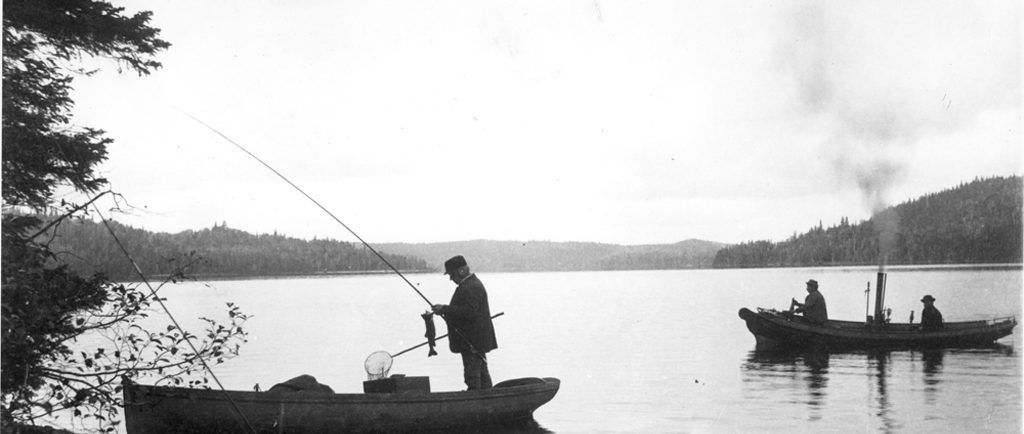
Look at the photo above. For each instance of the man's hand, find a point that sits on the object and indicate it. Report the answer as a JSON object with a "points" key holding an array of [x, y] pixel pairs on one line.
{"points": [[440, 309]]}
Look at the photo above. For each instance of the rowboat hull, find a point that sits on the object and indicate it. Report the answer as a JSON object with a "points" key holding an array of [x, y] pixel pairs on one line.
{"points": [[771, 329], [159, 409]]}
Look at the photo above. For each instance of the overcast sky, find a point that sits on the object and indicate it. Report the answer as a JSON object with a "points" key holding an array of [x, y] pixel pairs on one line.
{"points": [[606, 121]]}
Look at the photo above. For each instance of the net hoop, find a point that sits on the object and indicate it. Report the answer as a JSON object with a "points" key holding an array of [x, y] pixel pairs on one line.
{"points": [[377, 365]]}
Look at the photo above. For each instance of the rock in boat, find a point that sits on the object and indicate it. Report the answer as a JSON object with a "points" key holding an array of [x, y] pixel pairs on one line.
{"points": [[163, 409]]}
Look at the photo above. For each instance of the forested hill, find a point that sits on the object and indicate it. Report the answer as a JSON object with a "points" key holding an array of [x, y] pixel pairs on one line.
{"points": [[220, 251], [976, 222], [489, 255], [223, 251]]}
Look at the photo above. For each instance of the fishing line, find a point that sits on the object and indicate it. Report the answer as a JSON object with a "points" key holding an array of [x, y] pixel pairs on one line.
{"points": [[336, 219], [173, 320], [296, 187]]}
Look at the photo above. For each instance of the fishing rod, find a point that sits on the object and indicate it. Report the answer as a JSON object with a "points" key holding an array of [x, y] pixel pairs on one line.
{"points": [[361, 240]]}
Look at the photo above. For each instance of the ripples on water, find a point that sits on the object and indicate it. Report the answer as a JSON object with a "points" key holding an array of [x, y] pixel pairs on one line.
{"points": [[645, 351], [938, 390]]}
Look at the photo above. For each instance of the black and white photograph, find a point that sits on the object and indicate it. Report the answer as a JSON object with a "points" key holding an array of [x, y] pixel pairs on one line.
{"points": [[581, 216]]}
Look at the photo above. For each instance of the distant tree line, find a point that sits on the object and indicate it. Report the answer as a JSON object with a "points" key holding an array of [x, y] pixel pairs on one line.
{"points": [[216, 251], [976, 222], [515, 256]]}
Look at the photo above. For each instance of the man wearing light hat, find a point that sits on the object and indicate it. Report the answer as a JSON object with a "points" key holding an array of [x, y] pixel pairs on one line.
{"points": [[813, 307], [470, 329], [931, 318]]}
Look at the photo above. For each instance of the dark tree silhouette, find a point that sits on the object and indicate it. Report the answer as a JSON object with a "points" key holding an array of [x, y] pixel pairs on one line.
{"points": [[46, 306], [224, 252], [976, 222]]}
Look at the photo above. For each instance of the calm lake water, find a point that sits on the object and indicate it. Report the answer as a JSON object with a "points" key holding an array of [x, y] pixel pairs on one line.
{"points": [[646, 351]]}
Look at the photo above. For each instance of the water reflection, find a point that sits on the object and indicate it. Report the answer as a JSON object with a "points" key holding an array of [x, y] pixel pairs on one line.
{"points": [[932, 364], [932, 372], [880, 361], [808, 368], [799, 380]]}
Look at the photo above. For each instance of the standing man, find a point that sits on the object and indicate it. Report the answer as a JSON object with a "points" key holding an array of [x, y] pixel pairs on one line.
{"points": [[470, 330], [813, 307], [931, 318]]}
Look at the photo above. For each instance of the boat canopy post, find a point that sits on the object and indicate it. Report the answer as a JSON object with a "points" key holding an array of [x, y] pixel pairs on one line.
{"points": [[867, 304], [880, 298]]}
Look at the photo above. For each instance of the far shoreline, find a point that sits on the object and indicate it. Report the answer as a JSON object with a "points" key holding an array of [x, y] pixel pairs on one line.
{"points": [[858, 267], [226, 276]]}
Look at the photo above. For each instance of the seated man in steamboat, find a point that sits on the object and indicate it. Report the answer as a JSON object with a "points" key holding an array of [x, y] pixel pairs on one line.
{"points": [[931, 318], [470, 329], [813, 308]]}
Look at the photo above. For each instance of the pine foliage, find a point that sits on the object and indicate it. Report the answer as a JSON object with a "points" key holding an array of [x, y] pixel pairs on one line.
{"points": [[218, 251], [973, 223]]}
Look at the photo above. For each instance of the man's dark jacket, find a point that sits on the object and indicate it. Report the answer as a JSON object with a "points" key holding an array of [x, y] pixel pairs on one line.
{"points": [[931, 318], [814, 308], [469, 317]]}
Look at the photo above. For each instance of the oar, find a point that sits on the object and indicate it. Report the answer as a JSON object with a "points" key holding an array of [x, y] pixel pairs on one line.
{"points": [[435, 339]]}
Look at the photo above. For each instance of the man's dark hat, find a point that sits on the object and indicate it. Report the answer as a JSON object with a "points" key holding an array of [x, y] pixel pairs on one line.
{"points": [[453, 264], [928, 298], [813, 283]]}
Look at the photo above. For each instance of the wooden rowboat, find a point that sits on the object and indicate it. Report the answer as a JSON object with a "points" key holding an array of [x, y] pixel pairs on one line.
{"points": [[161, 409], [774, 329]]}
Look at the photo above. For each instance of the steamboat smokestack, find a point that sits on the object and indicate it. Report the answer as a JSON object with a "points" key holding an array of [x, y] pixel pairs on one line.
{"points": [[880, 298]]}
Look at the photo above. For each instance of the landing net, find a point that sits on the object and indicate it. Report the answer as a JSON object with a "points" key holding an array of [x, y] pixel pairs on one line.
{"points": [[377, 365]]}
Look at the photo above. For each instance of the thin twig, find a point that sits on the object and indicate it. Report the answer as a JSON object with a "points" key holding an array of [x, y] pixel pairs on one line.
{"points": [[68, 214], [145, 281]]}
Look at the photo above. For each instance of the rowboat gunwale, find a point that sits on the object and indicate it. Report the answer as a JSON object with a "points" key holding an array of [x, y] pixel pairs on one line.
{"points": [[549, 383], [153, 408]]}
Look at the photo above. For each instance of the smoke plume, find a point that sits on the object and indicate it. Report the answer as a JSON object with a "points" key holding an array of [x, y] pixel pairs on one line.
{"points": [[885, 76]]}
